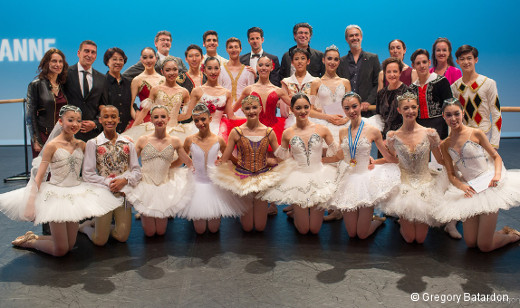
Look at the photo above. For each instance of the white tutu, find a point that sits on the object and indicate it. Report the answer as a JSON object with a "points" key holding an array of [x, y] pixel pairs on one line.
{"points": [[60, 204], [503, 197], [65, 198], [305, 187], [364, 188], [418, 201], [210, 202], [165, 200]]}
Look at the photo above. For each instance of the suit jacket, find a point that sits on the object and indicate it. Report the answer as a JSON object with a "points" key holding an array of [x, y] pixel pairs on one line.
{"points": [[368, 75], [275, 73], [316, 68], [138, 68], [89, 105]]}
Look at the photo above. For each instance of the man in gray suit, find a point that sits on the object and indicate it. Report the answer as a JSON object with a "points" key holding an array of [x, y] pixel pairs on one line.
{"points": [[163, 43], [360, 67]]}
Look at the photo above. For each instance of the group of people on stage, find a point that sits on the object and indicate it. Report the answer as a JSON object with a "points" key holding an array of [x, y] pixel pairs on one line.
{"points": [[207, 142]]}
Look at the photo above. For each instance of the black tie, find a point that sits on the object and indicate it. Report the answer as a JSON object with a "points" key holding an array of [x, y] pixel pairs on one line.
{"points": [[85, 84], [255, 55]]}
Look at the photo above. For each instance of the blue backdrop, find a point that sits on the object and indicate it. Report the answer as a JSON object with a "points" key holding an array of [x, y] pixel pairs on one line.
{"points": [[131, 25]]}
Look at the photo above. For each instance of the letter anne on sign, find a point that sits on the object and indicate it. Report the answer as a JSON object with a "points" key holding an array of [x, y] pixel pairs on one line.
{"points": [[24, 50]]}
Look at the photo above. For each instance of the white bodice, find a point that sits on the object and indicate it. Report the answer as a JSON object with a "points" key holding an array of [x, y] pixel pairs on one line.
{"points": [[307, 156], [362, 153], [218, 101], [330, 102], [413, 162], [472, 160], [156, 164], [201, 161], [65, 167]]}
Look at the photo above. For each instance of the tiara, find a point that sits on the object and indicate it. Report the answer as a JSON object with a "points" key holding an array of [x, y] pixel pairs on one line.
{"points": [[159, 106], [332, 47], [68, 108], [451, 101], [351, 94], [199, 109], [407, 96], [168, 59], [250, 99]]}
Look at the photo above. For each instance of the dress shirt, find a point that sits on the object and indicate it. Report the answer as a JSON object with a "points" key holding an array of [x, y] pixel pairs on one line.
{"points": [[89, 77], [253, 61]]}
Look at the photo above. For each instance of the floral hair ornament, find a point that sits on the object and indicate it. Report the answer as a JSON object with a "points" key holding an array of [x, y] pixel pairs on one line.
{"points": [[66, 108], [407, 96]]}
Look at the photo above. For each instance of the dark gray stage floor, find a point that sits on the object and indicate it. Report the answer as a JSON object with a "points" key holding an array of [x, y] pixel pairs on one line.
{"points": [[275, 268]]}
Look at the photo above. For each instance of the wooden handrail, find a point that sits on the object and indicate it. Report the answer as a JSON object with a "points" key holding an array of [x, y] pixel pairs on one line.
{"points": [[9, 101], [371, 107]]}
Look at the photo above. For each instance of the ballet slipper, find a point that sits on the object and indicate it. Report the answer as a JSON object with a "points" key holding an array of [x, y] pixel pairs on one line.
{"points": [[333, 216], [451, 229], [378, 218], [21, 240], [87, 223]]}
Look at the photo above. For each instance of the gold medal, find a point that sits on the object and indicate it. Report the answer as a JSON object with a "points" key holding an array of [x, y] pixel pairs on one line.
{"points": [[353, 162]]}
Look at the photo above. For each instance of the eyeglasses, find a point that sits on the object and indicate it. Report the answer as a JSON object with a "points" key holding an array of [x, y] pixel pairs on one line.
{"points": [[165, 40]]}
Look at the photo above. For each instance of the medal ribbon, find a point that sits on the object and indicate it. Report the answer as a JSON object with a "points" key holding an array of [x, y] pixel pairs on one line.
{"points": [[353, 147]]}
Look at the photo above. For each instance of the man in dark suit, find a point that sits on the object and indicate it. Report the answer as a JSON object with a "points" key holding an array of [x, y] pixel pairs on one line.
{"points": [[255, 37], [163, 43], [302, 35], [361, 68], [84, 88]]}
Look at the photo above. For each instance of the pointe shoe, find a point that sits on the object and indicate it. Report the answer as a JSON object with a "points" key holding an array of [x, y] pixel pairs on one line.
{"points": [[28, 236], [452, 231], [333, 215], [378, 218]]}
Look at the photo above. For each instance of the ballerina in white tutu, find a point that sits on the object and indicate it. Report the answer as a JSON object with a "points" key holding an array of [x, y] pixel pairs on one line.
{"points": [[310, 183], [164, 190], [64, 199], [420, 190], [111, 161], [481, 186], [208, 202], [360, 189], [253, 171]]}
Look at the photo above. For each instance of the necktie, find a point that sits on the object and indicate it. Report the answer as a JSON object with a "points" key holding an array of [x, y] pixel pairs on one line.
{"points": [[85, 84], [255, 55]]}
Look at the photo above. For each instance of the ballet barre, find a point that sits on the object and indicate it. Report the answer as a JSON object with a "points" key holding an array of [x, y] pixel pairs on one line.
{"points": [[24, 176]]}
